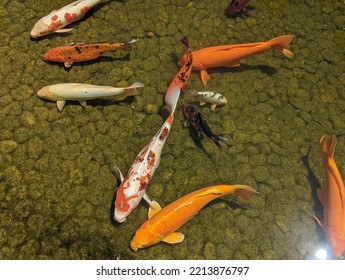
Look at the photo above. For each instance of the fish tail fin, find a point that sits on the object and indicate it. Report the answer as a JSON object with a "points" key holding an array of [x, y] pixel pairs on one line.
{"points": [[171, 98], [128, 46], [327, 146], [245, 192], [221, 139], [281, 42], [185, 41], [132, 90]]}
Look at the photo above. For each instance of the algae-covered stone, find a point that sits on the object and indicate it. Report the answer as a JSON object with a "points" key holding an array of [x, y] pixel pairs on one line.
{"points": [[261, 173], [35, 147], [209, 251], [7, 146], [151, 108], [12, 175]]}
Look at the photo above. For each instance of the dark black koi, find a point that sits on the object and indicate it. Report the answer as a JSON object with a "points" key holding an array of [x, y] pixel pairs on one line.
{"points": [[236, 6], [194, 117]]}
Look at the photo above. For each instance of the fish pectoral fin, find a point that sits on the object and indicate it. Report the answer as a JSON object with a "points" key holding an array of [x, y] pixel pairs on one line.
{"points": [[213, 106], [202, 103], [153, 209], [205, 77], [83, 103], [147, 199], [64, 30], [60, 104], [118, 173], [175, 237]]}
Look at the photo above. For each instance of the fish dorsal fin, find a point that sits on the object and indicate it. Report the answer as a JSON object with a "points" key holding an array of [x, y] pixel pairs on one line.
{"points": [[153, 209], [207, 192], [175, 237], [60, 104]]}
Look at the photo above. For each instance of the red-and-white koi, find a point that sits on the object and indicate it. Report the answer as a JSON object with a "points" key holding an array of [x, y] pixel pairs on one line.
{"points": [[57, 19], [133, 187]]}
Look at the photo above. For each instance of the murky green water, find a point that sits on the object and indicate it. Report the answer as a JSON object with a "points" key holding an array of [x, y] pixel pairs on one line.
{"points": [[56, 179]]}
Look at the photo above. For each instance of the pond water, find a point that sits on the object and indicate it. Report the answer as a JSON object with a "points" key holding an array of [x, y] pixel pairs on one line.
{"points": [[57, 183]]}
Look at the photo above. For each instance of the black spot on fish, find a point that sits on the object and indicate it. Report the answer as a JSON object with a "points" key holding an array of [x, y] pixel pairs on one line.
{"points": [[77, 49]]}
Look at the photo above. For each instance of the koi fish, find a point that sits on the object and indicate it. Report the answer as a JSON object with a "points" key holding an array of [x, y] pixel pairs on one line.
{"points": [[57, 19], [183, 74], [163, 223], [84, 51], [231, 55], [332, 197], [214, 98], [199, 123], [236, 6], [133, 187], [82, 92]]}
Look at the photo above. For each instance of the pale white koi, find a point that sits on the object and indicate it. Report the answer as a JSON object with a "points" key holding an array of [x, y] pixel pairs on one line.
{"points": [[57, 19], [133, 187], [82, 92], [213, 98]]}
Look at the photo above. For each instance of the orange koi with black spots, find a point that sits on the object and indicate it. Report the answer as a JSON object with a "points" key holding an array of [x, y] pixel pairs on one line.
{"points": [[84, 51]]}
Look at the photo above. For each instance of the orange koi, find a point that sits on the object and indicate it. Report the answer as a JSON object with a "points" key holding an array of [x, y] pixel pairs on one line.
{"points": [[163, 223], [231, 55], [84, 51], [332, 197]]}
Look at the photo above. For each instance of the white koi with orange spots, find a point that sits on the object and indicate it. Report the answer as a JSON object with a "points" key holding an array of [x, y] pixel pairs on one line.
{"points": [[57, 19], [133, 187]]}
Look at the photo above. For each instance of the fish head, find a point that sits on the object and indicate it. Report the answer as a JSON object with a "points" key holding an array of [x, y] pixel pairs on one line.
{"points": [[45, 93], [53, 55], [144, 238], [40, 29], [124, 204], [189, 111]]}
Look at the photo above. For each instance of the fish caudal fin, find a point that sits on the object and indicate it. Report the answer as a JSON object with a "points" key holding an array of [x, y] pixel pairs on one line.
{"points": [[245, 192], [280, 43], [132, 90], [171, 98], [327, 146], [127, 46]]}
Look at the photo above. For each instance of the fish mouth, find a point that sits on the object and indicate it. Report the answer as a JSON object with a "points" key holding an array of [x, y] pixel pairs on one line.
{"points": [[119, 217], [135, 247]]}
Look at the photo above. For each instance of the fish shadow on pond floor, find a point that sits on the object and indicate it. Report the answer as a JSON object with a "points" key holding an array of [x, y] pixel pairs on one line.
{"points": [[103, 58], [314, 185], [266, 69]]}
